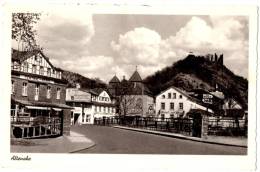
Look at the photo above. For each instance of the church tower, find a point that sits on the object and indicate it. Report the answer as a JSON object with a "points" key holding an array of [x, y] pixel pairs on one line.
{"points": [[137, 82], [114, 84]]}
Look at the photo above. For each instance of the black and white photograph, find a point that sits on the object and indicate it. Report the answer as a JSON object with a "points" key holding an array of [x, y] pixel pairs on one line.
{"points": [[87, 83]]}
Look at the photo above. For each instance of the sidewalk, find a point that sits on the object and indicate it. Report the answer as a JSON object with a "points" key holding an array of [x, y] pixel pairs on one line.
{"points": [[220, 140], [62, 144]]}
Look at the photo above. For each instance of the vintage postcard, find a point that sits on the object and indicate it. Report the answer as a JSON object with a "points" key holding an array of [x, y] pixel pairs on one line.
{"points": [[158, 86]]}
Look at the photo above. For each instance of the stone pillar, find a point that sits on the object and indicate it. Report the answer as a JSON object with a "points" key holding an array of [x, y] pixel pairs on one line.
{"points": [[16, 112], [204, 127], [66, 122]]}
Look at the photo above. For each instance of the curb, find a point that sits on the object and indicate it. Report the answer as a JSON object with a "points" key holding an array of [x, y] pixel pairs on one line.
{"points": [[79, 147], [178, 136], [75, 151]]}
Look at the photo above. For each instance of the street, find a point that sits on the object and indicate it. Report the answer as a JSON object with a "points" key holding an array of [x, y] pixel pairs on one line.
{"points": [[119, 141]]}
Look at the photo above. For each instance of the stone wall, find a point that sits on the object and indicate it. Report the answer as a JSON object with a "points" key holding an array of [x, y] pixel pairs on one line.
{"points": [[66, 122]]}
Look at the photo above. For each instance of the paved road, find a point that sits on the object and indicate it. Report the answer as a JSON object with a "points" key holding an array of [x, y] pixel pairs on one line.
{"points": [[118, 141]]}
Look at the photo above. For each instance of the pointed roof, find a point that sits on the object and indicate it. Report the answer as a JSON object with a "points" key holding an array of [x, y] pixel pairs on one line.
{"points": [[23, 55], [135, 77], [114, 80]]}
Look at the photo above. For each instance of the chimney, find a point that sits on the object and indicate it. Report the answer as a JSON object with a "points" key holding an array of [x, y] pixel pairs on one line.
{"points": [[77, 85], [123, 77]]}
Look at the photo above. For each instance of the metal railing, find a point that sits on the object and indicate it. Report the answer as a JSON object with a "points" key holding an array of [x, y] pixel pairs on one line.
{"points": [[31, 121], [175, 125], [33, 127], [228, 127]]}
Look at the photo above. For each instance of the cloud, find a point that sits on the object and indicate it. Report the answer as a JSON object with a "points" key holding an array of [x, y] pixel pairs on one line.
{"points": [[65, 35], [221, 34], [142, 47], [89, 66], [66, 38], [139, 45]]}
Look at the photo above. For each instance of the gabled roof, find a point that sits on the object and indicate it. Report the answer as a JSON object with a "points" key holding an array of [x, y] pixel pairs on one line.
{"points": [[98, 91], [186, 95], [23, 55], [135, 77], [114, 80]]}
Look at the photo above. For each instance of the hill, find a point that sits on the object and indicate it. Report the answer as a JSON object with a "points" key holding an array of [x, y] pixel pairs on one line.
{"points": [[200, 72], [72, 78]]}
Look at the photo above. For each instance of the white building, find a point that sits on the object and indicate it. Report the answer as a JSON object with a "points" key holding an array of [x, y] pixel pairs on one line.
{"points": [[89, 104], [175, 102], [103, 104]]}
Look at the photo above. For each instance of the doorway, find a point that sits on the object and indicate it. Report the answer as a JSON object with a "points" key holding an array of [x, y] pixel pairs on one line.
{"points": [[76, 118], [197, 125]]}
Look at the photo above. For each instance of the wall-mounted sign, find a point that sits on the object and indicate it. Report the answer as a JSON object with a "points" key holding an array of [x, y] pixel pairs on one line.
{"points": [[207, 98]]}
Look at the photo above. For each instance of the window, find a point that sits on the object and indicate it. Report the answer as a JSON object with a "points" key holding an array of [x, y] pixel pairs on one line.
{"points": [[163, 96], [34, 69], [58, 74], [174, 95], [25, 67], [53, 73], [37, 91], [162, 117], [162, 105], [12, 87], [41, 70], [48, 92], [169, 95], [58, 93], [181, 106], [171, 106], [87, 118], [95, 107], [40, 60], [99, 108], [180, 96], [49, 72], [24, 91]]}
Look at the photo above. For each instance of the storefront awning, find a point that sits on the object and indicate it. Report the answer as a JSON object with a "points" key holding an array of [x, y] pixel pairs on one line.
{"points": [[57, 109], [37, 107], [34, 104]]}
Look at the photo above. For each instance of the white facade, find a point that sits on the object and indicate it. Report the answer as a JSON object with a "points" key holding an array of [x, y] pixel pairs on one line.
{"points": [[88, 106], [103, 105], [37, 64], [174, 103]]}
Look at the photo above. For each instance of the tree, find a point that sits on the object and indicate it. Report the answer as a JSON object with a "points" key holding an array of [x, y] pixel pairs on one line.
{"points": [[23, 30], [128, 102]]}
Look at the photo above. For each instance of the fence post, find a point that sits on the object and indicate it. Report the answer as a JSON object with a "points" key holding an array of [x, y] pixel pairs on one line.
{"points": [[204, 128], [167, 125]]}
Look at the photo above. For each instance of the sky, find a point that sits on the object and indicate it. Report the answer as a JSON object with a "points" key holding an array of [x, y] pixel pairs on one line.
{"points": [[104, 45]]}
